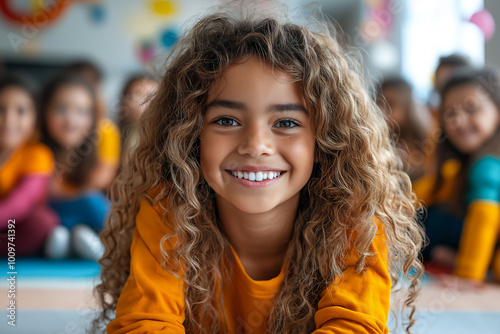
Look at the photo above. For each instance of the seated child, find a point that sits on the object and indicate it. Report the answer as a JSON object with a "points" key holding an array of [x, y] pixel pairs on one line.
{"points": [[25, 170], [410, 123], [464, 218], [107, 133], [69, 129], [136, 94]]}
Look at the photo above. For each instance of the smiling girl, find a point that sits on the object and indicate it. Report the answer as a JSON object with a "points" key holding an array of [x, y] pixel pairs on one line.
{"points": [[464, 217], [264, 195], [25, 169], [69, 129]]}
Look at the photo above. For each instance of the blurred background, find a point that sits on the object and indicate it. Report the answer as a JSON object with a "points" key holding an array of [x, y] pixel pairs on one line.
{"points": [[123, 37], [118, 47]]}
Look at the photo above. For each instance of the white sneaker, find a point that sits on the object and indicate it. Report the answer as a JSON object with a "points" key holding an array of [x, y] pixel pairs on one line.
{"points": [[86, 242], [57, 244]]}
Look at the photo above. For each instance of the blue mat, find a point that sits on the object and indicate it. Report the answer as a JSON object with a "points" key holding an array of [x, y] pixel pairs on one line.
{"points": [[41, 267]]}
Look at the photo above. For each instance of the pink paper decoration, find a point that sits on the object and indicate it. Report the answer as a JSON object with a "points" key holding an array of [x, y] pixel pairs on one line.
{"points": [[484, 21]]}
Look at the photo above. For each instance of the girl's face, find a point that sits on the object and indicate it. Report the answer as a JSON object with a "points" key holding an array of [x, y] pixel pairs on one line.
{"points": [[69, 115], [470, 117], [256, 124], [17, 117], [135, 101]]}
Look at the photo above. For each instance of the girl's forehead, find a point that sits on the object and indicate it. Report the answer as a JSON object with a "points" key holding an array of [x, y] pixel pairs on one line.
{"points": [[14, 90], [463, 92], [249, 71]]}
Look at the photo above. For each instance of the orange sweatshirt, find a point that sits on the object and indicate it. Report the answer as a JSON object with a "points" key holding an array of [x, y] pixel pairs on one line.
{"points": [[32, 158], [152, 299]]}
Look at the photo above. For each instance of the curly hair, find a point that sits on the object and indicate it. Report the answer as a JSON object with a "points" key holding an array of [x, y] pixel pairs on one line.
{"points": [[358, 175]]}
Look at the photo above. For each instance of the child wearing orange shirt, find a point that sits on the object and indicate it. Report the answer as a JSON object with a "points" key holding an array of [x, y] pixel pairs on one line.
{"points": [[264, 196], [25, 169]]}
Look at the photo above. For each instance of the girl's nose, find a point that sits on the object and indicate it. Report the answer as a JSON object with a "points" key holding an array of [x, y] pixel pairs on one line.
{"points": [[256, 140], [461, 119]]}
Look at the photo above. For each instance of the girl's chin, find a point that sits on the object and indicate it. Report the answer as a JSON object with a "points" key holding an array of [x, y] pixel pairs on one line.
{"points": [[253, 207]]}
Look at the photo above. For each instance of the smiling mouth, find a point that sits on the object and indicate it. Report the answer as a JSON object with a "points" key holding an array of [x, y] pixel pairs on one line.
{"points": [[256, 176]]}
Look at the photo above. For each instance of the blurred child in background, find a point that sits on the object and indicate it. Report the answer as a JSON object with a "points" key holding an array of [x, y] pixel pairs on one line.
{"points": [[409, 122], [69, 129], [25, 170], [107, 133], [463, 224], [447, 65], [135, 97]]}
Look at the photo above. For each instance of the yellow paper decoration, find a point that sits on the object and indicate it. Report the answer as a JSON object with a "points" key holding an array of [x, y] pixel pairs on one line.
{"points": [[163, 7]]}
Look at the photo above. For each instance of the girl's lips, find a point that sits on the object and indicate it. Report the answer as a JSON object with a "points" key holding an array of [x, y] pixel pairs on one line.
{"points": [[255, 184]]}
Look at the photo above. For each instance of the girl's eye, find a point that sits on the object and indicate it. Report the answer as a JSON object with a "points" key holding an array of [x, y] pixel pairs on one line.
{"points": [[287, 123], [450, 115], [83, 112], [470, 109], [225, 121]]}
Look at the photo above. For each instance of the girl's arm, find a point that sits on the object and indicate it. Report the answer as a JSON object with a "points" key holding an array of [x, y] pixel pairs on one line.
{"points": [[152, 298], [482, 223], [21, 200], [358, 302]]}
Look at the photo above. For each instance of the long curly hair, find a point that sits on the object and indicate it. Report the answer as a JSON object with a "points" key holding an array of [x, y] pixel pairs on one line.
{"points": [[358, 175]]}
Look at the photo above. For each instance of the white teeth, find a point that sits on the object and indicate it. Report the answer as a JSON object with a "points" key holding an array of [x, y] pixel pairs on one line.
{"points": [[255, 176]]}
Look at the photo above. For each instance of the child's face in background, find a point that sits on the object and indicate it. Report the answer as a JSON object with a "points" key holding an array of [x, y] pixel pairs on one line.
{"points": [[136, 99], [394, 105], [470, 117], [70, 116], [253, 105], [17, 118]]}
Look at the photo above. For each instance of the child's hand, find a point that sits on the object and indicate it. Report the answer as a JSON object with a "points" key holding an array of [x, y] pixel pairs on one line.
{"points": [[460, 284]]}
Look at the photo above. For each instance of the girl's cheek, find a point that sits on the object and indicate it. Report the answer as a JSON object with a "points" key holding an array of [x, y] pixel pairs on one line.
{"points": [[29, 122], [55, 126], [87, 125]]}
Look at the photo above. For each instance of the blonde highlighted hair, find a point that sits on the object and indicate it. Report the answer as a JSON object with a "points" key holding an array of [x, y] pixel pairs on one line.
{"points": [[358, 175]]}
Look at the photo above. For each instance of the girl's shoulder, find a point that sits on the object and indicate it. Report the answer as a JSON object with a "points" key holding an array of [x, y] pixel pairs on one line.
{"points": [[154, 207], [486, 168], [153, 224], [36, 158], [484, 179]]}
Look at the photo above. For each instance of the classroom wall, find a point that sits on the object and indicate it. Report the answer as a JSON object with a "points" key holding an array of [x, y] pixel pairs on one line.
{"points": [[109, 32], [492, 47]]}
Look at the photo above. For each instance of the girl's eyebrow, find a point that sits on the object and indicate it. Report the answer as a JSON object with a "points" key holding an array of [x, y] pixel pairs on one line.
{"points": [[272, 108]]}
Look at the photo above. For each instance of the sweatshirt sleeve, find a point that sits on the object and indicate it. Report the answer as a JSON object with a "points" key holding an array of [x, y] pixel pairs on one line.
{"points": [[152, 299], [358, 302], [21, 201], [482, 222]]}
